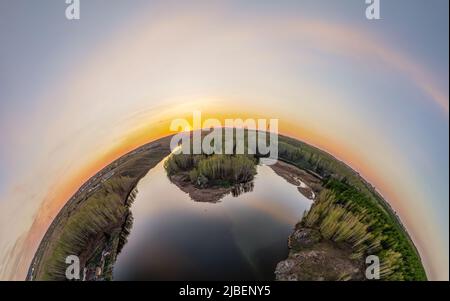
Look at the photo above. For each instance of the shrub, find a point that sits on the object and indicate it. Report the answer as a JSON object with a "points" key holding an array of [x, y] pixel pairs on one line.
{"points": [[223, 170]]}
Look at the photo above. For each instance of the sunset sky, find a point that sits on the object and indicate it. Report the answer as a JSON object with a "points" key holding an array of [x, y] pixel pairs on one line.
{"points": [[75, 95]]}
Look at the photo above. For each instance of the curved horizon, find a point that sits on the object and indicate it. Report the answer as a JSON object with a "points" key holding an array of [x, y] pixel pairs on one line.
{"points": [[354, 89]]}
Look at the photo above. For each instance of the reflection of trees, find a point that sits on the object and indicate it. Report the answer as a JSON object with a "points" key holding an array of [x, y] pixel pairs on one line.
{"points": [[91, 230], [126, 230], [128, 224], [241, 188]]}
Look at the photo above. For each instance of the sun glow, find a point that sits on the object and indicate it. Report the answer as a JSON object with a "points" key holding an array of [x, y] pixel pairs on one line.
{"points": [[131, 85]]}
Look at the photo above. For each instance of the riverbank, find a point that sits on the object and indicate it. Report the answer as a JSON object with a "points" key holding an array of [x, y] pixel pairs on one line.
{"points": [[210, 195], [307, 184], [351, 210], [92, 223], [313, 258]]}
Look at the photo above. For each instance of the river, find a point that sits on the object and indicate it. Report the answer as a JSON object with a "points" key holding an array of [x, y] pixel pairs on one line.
{"points": [[239, 238]]}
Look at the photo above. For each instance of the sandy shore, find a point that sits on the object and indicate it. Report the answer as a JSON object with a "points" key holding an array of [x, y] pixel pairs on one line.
{"points": [[308, 184]]}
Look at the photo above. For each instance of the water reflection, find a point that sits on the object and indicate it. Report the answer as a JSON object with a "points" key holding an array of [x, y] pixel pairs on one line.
{"points": [[241, 188], [241, 238]]}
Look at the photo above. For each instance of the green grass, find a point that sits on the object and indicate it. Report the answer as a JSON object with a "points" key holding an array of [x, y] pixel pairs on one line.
{"points": [[102, 211], [213, 170], [351, 210], [93, 221]]}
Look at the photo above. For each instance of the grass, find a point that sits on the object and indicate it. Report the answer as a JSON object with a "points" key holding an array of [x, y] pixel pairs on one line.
{"points": [[224, 170], [102, 211], [351, 210], [97, 217], [213, 170]]}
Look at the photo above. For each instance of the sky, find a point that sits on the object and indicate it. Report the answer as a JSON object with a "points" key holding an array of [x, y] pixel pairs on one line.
{"points": [[75, 95]]}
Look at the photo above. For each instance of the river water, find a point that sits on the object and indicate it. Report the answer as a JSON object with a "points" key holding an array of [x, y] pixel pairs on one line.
{"points": [[239, 238]]}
